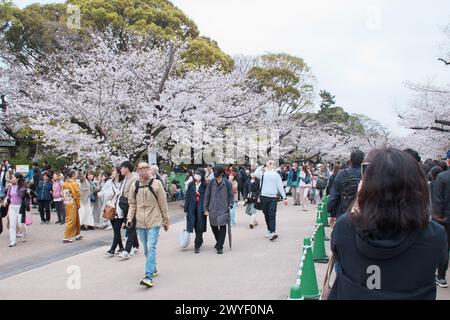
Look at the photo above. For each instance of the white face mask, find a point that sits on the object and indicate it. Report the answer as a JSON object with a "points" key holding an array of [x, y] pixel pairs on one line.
{"points": [[198, 177]]}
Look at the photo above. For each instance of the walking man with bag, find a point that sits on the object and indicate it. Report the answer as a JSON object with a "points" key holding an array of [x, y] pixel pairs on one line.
{"points": [[271, 185], [219, 200], [148, 206]]}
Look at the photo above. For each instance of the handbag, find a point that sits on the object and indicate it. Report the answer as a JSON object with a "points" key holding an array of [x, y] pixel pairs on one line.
{"points": [[184, 239], [28, 219], [326, 283], [109, 213], [258, 203]]}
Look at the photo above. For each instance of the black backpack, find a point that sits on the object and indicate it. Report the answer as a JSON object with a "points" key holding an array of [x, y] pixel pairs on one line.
{"points": [[349, 188]]}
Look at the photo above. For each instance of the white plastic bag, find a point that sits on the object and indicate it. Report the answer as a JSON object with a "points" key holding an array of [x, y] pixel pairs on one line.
{"points": [[184, 239]]}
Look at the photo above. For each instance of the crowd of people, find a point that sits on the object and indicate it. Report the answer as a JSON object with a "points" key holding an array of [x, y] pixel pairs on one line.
{"points": [[387, 209]]}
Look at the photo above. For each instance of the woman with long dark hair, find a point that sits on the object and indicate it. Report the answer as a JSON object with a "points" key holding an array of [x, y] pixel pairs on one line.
{"points": [[386, 247], [193, 207], [111, 192]]}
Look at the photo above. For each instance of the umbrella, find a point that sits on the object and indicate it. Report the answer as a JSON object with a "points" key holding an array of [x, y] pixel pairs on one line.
{"points": [[229, 229]]}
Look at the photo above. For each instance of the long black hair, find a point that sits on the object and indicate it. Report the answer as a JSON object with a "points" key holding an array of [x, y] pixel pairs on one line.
{"points": [[394, 195]]}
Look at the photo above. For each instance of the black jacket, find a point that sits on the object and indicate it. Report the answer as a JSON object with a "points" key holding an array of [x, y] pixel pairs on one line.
{"points": [[334, 204], [441, 195], [406, 263], [252, 190]]}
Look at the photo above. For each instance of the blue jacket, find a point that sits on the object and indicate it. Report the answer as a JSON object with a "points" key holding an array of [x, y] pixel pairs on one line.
{"points": [[194, 211], [296, 183], [43, 190]]}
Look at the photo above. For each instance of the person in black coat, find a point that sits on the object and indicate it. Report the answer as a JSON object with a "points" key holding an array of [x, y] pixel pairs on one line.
{"points": [[193, 207], [386, 247], [441, 213]]}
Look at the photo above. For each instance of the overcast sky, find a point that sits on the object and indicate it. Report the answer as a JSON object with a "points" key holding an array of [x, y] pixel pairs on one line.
{"points": [[362, 51]]}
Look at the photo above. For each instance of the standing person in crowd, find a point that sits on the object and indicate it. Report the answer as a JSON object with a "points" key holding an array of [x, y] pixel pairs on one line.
{"points": [[15, 198], [441, 214], [387, 232], [44, 196], [345, 187], [235, 186], [3, 171], [322, 179], [431, 176], [252, 191], [148, 207], [244, 176], [209, 173], [271, 186], [36, 177], [219, 200], [102, 195], [333, 175], [154, 172], [293, 182], [164, 179], [305, 184], [313, 190], [193, 208], [132, 244], [71, 196], [110, 193], [86, 206], [95, 201], [189, 179], [57, 190]]}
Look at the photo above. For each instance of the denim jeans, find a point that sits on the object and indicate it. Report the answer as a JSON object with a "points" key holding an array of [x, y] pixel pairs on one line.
{"points": [[149, 239], [233, 214]]}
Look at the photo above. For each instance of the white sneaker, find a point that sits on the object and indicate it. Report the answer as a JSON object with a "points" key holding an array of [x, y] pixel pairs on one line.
{"points": [[19, 235], [24, 239], [273, 236], [268, 234], [108, 228], [124, 255], [12, 244], [134, 251]]}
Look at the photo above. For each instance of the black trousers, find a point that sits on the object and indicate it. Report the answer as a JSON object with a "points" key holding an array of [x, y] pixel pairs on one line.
{"points": [[269, 208], [60, 210], [44, 210], [117, 240], [132, 238], [198, 234], [220, 234], [442, 269]]}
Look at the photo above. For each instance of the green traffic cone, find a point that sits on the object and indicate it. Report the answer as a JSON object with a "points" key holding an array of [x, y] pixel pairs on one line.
{"points": [[319, 254], [324, 219], [296, 292], [308, 279]]}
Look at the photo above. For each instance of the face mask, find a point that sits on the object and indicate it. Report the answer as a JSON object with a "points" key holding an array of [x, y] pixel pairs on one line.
{"points": [[198, 177]]}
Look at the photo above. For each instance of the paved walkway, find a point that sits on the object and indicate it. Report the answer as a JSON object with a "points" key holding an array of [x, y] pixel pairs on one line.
{"points": [[255, 268]]}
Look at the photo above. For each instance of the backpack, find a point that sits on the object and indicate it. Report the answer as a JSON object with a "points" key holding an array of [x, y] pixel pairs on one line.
{"points": [[321, 183], [349, 188]]}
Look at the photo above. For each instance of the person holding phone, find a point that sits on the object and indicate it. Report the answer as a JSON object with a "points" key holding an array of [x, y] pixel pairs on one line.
{"points": [[148, 204]]}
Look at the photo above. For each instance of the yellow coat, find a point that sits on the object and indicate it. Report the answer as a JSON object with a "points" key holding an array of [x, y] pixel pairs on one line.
{"points": [[71, 193]]}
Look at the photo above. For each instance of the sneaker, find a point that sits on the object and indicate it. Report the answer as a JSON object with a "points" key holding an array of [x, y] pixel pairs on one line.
{"points": [[79, 237], [24, 239], [197, 250], [273, 237], [219, 251], [268, 234], [19, 235], [442, 283], [124, 255], [58, 222], [120, 251], [47, 222], [67, 240], [109, 253], [42, 222], [156, 273], [108, 228], [134, 251], [146, 282], [12, 244]]}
